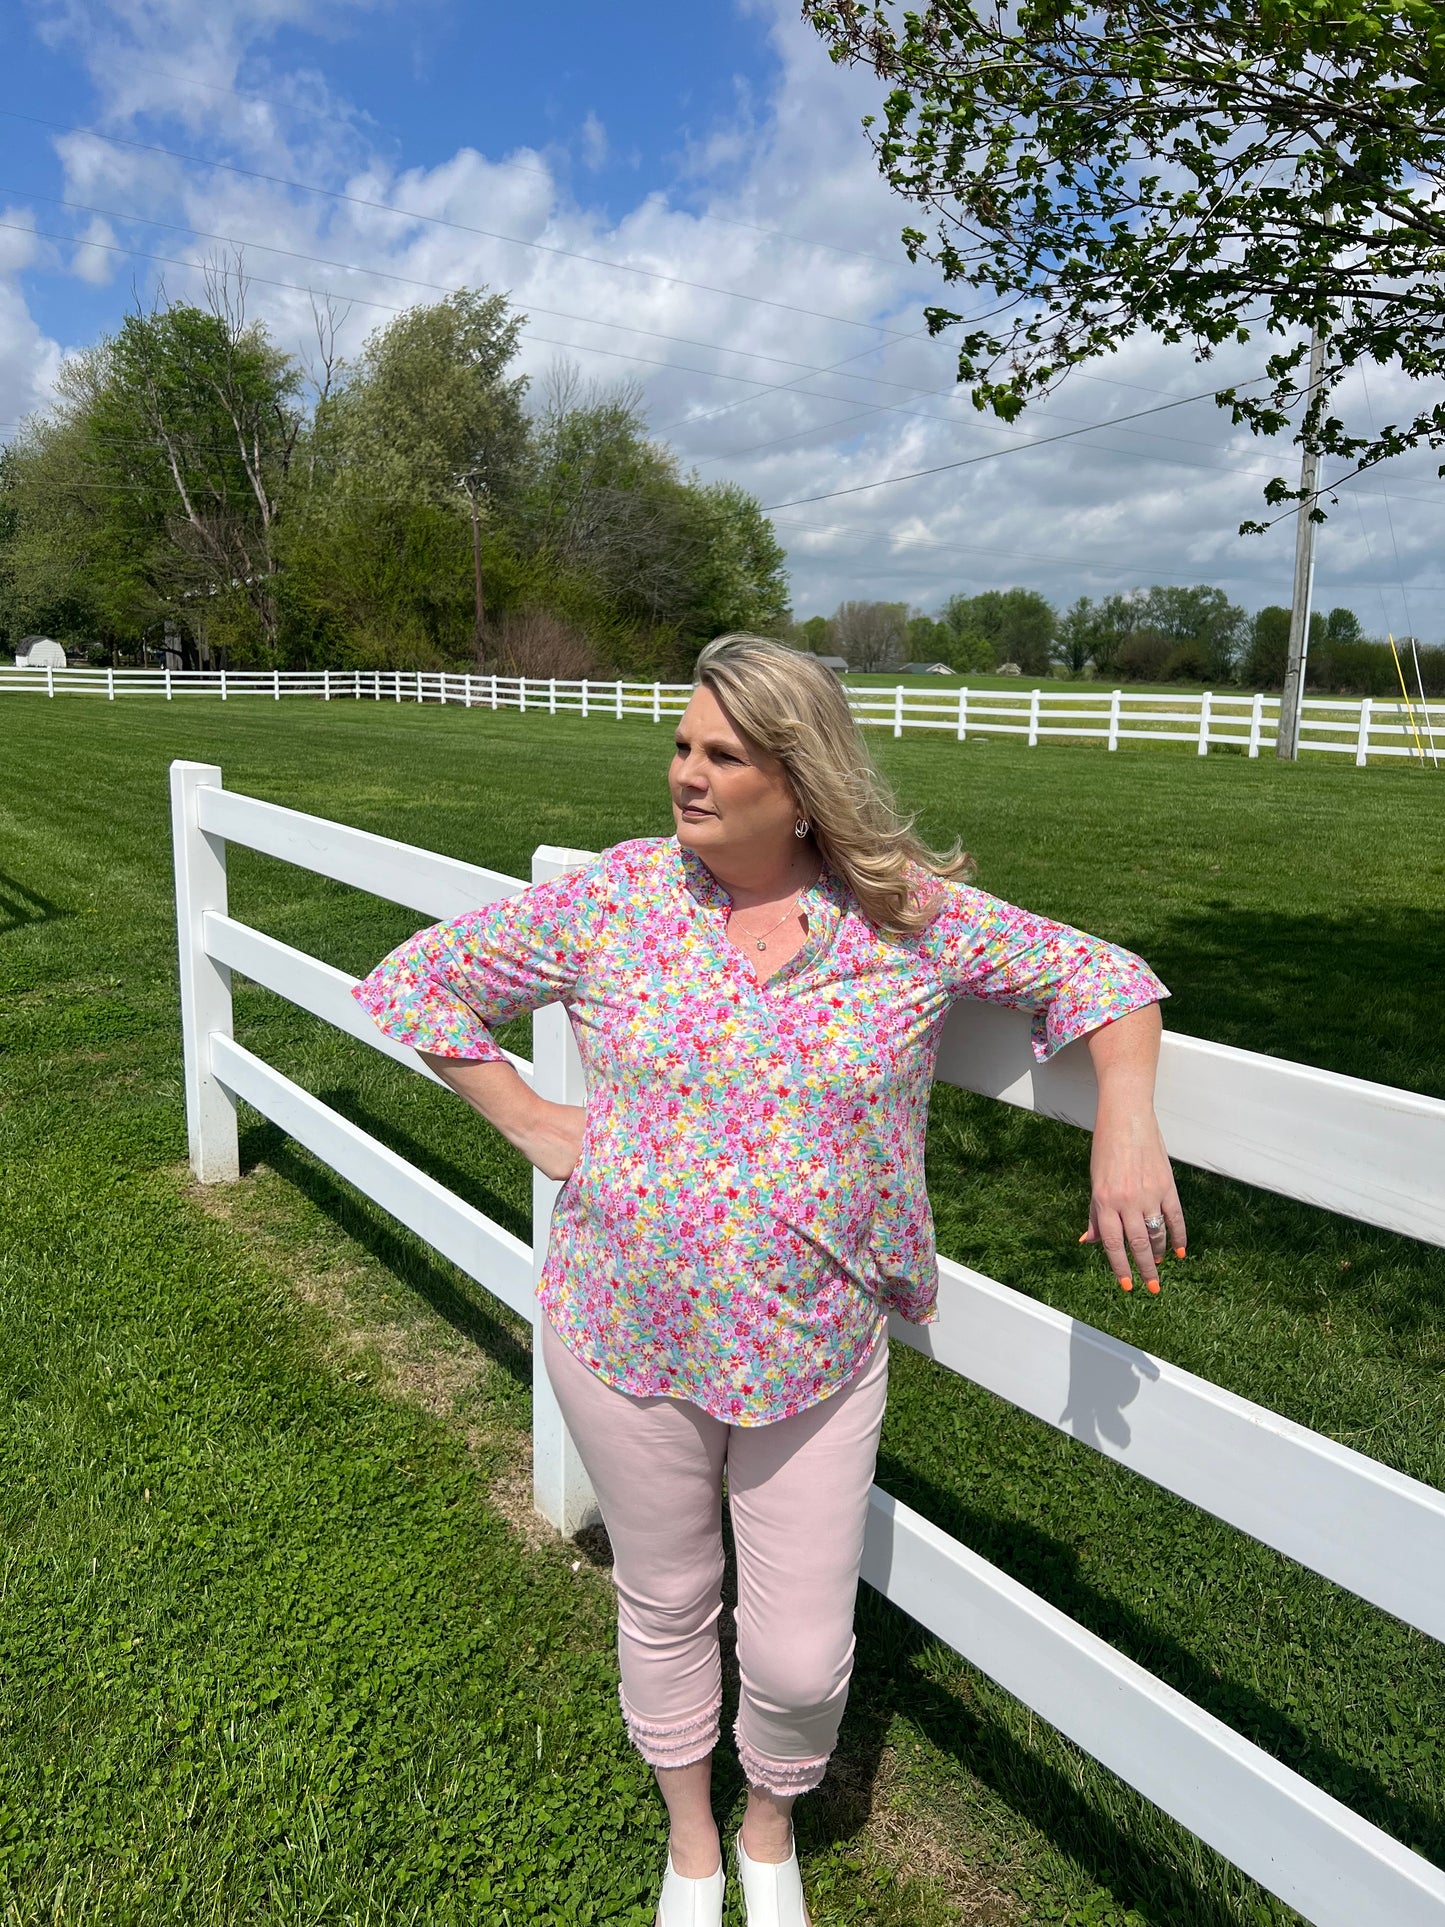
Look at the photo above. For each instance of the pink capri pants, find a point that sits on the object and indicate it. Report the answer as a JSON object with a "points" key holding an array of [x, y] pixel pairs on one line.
{"points": [[798, 1495]]}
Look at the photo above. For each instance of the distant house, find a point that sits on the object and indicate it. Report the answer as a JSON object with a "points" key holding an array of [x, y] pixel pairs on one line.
{"points": [[838, 664], [926, 669], [39, 652]]}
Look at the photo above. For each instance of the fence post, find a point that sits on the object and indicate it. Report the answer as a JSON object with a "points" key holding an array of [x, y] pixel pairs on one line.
{"points": [[1033, 719], [619, 699], [1206, 703], [1114, 702], [49, 680], [522, 695], [275, 684], [200, 868], [1362, 740], [963, 714], [1256, 722], [326, 684], [551, 695], [110, 685], [657, 702], [584, 696], [898, 709], [561, 1490], [168, 682]]}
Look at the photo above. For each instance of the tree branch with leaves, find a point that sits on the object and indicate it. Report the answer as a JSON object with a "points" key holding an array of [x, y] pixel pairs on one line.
{"points": [[1205, 169]]}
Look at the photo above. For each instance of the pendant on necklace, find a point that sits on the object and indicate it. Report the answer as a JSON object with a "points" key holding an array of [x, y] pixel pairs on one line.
{"points": [[761, 944]]}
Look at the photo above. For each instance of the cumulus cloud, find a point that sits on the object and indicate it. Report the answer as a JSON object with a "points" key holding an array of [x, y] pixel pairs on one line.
{"points": [[594, 142], [764, 302]]}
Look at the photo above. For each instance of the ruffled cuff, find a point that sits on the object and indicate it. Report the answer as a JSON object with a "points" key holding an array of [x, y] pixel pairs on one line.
{"points": [[1109, 984], [668, 1743], [410, 1001]]}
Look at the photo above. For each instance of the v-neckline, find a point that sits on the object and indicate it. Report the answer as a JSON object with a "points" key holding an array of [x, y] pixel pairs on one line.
{"points": [[705, 889]]}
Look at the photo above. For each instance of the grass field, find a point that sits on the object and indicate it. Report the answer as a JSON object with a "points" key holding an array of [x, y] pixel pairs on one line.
{"points": [[275, 1642]]}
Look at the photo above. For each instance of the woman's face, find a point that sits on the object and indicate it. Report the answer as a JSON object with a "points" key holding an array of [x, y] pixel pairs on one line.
{"points": [[728, 796]]}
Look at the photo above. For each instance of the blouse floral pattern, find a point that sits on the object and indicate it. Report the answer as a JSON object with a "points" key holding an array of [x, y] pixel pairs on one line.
{"points": [[749, 1202]]}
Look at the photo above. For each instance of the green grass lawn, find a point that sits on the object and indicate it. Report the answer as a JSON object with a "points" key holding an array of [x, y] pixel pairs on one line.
{"points": [[272, 1644]]}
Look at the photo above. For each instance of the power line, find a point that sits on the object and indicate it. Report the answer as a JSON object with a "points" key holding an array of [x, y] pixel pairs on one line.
{"points": [[1083, 563], [460, 227], [413, 281], [760, 386], [968, 461], [389, 307], [523, 167]]}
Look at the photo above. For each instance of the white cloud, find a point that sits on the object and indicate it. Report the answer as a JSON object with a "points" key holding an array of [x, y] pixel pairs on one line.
{"points": [[19, 247], [29, 359], [822, 380], [594, 142], [93, 259]]}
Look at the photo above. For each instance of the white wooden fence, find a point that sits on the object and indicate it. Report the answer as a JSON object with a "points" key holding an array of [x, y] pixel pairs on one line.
{"points": [[1345, 726], [1367, 1150]]}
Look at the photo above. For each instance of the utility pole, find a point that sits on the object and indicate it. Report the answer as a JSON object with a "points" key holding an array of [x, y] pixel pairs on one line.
{"points": [[1287, 743]]}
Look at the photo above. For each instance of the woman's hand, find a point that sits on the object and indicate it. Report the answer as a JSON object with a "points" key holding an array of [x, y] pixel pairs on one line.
{"points": [[1129, 1169], [1132, 1181], [548, 1135], [551, 1138]]}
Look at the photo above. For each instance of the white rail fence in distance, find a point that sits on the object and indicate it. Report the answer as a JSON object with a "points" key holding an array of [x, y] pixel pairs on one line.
{"points": [[1347, 726], [1365, 1149]]}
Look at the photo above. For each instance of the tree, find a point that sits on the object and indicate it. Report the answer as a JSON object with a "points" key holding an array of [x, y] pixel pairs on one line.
{"points": [[1076, 635], [870, 634], [1017, 624], [964, 646], [1204, 626], [1195, 169], [926, 640], [155, 490], [815, 635], [1268, 649], [430, 420]]}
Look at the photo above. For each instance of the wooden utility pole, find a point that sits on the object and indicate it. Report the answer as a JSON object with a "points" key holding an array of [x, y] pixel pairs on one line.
{"points": [[1287, 744]]}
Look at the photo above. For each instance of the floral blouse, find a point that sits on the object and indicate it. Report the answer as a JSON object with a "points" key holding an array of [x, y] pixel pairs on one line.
{"points": [[749, 1202]]}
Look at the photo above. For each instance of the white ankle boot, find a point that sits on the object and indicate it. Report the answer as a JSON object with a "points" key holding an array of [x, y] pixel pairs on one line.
{"points": [[773, 1892], [690, 1903]]}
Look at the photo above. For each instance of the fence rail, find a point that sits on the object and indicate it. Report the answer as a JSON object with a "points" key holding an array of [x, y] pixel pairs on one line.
{"points": [[1362, 1148], [1216, 720]]}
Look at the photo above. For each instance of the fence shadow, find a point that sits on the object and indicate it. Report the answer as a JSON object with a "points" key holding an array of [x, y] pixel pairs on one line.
{"points": [[1357, 994], [890, 1681], [420, 1270], [20, 905]]}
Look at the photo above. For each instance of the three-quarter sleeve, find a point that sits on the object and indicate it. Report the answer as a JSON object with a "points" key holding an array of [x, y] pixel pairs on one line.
{"points": [[1070, 981], [443, 989]]}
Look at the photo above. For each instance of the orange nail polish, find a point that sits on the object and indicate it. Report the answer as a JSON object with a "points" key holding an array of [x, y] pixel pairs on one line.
{"points": [[1126, 1284], [1082, 1236], [1178, 1251], [1153, 1285]]}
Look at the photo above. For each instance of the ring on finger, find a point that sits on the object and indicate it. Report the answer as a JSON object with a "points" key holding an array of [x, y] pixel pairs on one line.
{"points": [[1155, 1225]]}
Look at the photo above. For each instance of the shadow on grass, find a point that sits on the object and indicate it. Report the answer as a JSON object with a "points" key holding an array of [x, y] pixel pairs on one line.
{"points": [[890, 1680], [20, 905], [1353, 993], [428, 1275]]}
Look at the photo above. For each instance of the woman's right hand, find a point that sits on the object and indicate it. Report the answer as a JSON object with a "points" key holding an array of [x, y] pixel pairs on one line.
{"points": [[548, 1135]]}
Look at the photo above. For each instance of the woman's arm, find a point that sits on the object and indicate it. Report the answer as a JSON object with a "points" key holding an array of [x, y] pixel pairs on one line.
{"points": [[444, 990], [1078, 986], [1129, 1168], [548, 1135]]}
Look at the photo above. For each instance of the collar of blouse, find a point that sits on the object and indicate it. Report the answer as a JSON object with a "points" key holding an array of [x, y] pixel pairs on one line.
{"points": [[821, 902]]}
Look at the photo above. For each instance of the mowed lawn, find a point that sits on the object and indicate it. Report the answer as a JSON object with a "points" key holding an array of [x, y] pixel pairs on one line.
{"points": [[275, 1642]]}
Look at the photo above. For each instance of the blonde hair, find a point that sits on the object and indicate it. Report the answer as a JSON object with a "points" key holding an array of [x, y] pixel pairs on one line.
{"points": [[788, 704]]}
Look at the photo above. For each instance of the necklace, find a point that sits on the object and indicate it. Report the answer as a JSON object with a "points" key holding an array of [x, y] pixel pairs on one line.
{"points": [[761, 942]]}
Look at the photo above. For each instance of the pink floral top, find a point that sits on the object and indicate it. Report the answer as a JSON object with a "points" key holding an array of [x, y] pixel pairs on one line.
{"points": [[749, 1201]]}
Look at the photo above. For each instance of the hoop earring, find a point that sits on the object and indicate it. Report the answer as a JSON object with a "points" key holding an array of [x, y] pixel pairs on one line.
{"points": [[800, 828]]}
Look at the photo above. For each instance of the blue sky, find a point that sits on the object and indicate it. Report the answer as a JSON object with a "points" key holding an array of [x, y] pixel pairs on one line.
{"points": [[680, 197]]}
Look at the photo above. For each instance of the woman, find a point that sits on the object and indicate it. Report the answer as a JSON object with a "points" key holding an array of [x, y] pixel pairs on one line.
{"points": [[758, 1001]]}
